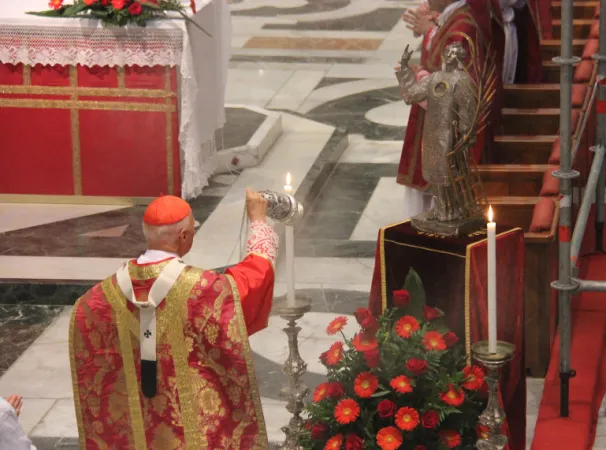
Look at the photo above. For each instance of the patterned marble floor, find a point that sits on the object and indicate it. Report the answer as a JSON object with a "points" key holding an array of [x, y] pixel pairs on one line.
{"points": [[327, 67]]}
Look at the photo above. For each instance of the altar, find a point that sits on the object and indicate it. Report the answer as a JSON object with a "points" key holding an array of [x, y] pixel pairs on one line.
{"points": [[454, 276], [109, 115]]}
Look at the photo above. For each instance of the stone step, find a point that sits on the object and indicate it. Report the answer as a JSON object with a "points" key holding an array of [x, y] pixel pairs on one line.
{"points": [[582, 9], [523, 149], [516, 180], [540, 95], [581, 28]]}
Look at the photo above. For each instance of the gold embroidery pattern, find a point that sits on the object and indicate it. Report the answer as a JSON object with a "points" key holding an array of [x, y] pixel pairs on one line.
{"points": [[27, 75], [142, 273], [126, 350], [75, 134], [178, 296], [92, 105], [76, 339], [254, 389], [169, 135]]}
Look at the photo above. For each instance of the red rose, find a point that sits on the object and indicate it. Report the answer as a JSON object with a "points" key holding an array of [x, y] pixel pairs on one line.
{"points": [[417, 366], [318, 431], [372, 358], [135, 9], [386, 409], [354, 442], [370, 324], [430, 419], [118, 4], [361, 314], [431, 313], [335, 390], [450, 338], [105, 2], [401, 298]]}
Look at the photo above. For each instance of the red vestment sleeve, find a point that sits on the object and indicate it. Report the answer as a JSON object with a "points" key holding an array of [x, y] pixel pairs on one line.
{"points": [[254, 278]]}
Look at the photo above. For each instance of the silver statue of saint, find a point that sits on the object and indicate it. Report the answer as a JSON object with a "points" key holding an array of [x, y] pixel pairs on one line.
{"points": [[448, 136]]}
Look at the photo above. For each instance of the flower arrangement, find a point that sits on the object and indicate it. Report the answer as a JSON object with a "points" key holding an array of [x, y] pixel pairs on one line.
{"points": [[116, 12], [402, 382]]}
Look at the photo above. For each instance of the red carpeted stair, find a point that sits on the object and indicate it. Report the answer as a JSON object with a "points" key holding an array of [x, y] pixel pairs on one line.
{"points": [[588, 359]]}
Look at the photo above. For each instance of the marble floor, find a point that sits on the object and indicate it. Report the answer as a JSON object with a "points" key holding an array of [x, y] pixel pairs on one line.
{"points": [[326, 67]]}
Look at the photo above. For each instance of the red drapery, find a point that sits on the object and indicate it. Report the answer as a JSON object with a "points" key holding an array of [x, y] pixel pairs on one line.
{"points": [[91, 123], [454, 275]]}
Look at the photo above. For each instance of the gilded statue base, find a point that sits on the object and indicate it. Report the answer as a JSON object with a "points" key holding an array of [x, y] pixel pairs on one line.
{"points": [[453, 228], [493, 416], [294, 368]]}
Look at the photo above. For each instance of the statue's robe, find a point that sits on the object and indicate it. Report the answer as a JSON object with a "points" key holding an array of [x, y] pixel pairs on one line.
{"points": [[462, 27], [207, 395]]}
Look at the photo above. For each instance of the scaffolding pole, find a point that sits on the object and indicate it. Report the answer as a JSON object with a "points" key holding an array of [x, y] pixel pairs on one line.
{"points": [[564, 284], [601, 131]]}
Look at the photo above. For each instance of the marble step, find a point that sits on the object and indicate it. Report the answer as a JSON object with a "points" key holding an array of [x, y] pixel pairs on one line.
{"points": [[248, 135]]}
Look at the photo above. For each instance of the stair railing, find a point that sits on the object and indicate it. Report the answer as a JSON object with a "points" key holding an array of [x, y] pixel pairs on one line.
{"points": [[567, 285]]}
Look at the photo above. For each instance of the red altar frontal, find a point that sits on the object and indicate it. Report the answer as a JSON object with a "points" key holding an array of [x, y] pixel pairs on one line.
{"points": [[454, 275], [88, 131]]}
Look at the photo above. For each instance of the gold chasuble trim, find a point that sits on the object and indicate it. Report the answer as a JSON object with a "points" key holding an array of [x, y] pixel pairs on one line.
{"points": [[128, 364], [74, 371], [247, 352], [176, 300]]}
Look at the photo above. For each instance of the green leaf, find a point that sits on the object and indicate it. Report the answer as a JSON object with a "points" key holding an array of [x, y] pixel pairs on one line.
{"points": [[380, 394], [100, 14], [414, 285], [75, 9], [48, 13]]}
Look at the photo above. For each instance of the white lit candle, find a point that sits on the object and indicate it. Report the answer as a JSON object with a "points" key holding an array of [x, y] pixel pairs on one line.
{"points": [[290, 253], [492, 282]]}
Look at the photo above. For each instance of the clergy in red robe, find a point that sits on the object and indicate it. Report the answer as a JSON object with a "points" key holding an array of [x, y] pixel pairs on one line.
{"points": [[159, 351], [469, 24]]}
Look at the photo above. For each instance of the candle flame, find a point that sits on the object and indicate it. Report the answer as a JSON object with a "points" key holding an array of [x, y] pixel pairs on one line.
{"points": [[490, 214], [288, 179]]}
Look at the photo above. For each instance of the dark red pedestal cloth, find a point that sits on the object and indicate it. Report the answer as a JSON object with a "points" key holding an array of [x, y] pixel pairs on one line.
{"points": [[454, 275]]}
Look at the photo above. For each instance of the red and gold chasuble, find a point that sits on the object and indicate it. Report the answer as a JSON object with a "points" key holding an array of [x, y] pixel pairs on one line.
{"points": [[461, 27], [207, 395]]}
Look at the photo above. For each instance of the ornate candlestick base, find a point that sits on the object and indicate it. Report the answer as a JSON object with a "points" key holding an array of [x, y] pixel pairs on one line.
{"points": [[294, 367], [493, 416]]}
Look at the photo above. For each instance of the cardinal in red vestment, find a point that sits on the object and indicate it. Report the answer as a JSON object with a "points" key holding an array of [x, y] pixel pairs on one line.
{"points": [[469, 23], [159, 351]]}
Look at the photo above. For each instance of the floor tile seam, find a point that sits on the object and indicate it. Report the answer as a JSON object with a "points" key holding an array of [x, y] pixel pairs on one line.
{"points": [[44, 416], [279, 90]]}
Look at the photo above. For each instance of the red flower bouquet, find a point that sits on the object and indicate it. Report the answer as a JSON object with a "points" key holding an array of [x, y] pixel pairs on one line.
{"points": [[117, 12], [400, 383]]}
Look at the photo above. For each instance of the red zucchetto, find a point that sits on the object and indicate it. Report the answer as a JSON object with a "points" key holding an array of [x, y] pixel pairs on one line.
{"points": [[166, 210]]}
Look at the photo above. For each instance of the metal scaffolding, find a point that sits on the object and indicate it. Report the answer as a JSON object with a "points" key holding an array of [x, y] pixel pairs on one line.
{"points": [[570, 242]]}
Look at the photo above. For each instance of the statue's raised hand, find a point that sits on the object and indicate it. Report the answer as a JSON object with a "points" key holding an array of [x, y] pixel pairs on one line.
{"points": [[406, 57]]}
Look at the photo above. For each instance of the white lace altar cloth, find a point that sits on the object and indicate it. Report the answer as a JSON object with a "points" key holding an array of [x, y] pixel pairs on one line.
{"points": [[202, 63]]}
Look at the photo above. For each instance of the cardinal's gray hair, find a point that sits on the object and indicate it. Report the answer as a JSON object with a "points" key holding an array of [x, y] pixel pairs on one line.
{"points": [[166, 234]]}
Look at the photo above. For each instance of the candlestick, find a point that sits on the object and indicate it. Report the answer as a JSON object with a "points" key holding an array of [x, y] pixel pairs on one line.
{"points": [[492, 282], [290, 253]]}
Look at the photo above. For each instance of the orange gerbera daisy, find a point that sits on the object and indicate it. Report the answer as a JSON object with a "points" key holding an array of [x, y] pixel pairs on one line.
{"points": [[450, 438], [407, 419], [433, 341], [364, 342], [365, 385], [336, 325], [401, 384], [389, 438], [453, 396], [333, 355], [347, 411], [321, 392], [406, 326], [474, 378], [55, 4], [334, 443]]}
